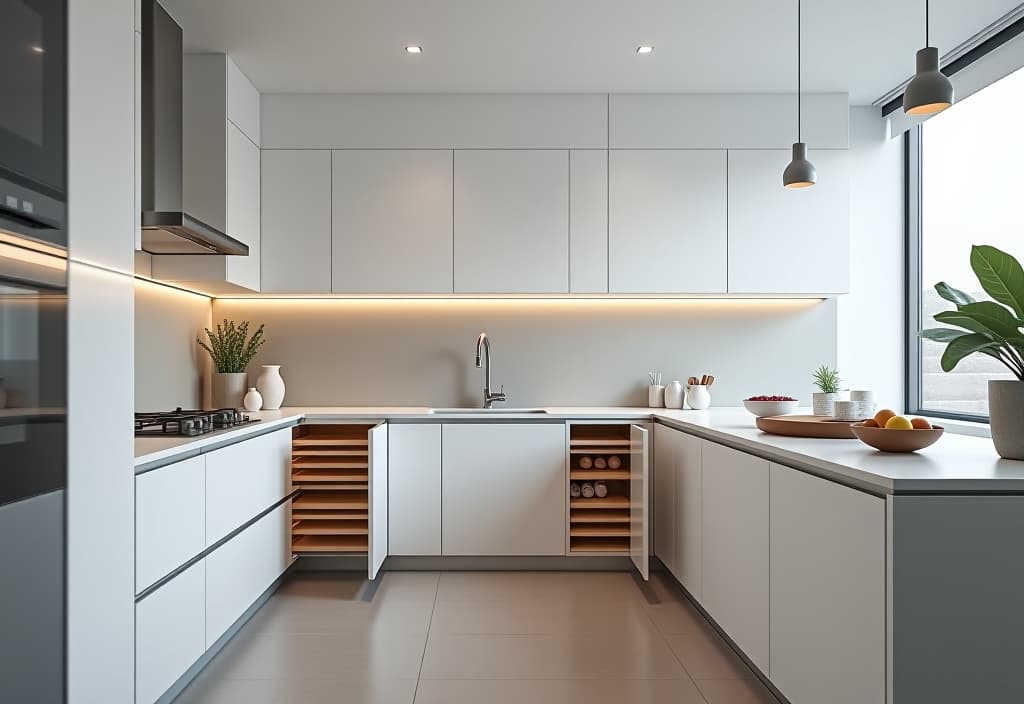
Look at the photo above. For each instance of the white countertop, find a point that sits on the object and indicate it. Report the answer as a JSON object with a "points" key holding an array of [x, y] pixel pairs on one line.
{"points": [[956, 463]]}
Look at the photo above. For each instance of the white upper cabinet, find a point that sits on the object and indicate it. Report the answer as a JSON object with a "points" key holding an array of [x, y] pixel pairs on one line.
{"points": [[243, 207], [392, 221], [667, 228], [295, 227], [512, 221], [243, 102], [788, 240], [588, 221]]}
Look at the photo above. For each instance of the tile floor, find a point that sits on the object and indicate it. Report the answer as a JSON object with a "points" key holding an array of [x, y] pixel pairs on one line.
{"points": [[491, 637]]}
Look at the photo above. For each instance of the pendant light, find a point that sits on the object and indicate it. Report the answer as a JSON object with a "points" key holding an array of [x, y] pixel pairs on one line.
{"points": [[930, 91], [800, 173]]}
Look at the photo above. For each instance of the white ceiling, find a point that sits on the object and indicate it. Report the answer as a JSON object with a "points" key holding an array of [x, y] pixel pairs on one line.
{"points": [[327, 46]]}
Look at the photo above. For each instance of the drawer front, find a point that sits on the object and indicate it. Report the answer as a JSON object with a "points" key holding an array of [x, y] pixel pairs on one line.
{"points": [[244, 479], [169, 519], [169, 633]]}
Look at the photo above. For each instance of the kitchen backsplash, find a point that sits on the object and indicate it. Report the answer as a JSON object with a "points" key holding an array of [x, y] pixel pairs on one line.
{"points": [[546, 352]]}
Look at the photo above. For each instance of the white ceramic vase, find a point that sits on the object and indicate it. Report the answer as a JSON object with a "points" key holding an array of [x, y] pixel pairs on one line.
{"points": [[1006, 417], [825, 404], [271, 386], [253, 401], [228, 389], [698, 397], [674, 394]]}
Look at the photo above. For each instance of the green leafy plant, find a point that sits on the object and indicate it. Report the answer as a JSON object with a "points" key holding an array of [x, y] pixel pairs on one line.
{"points": [[992, 328], [826, 379], [230, 346]]}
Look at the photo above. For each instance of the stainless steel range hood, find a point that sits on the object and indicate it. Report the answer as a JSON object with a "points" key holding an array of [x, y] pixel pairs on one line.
{"points": [[166, 227]]}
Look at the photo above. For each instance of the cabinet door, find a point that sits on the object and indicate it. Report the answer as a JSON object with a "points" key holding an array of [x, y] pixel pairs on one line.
{"points": [[503, 489], [687, 510], [827, 591], [665, 452], [170, 520], [391, 225], [244, 479], [295, 225], [667, 221], [588, 221], [788, 240], [735, 547], [639, 500], [377, 540], [169, 633], [240, 570], [414, 489], [243, 207], [511, 221]]}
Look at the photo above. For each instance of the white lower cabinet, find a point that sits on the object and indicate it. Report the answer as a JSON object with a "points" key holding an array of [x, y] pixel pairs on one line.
{"points": [[503, 489], [687, 509], [169, 633], [734, 545], [827, 591], [414, 489], [665, 450], [239, 571], [244, 479]]}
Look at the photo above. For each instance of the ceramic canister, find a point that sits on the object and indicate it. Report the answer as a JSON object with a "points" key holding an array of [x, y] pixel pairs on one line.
{"points": [[674, 394]]}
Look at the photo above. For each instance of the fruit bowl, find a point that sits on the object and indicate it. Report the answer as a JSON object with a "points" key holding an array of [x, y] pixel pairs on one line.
{"points": [[889, 440], [776, 406]]}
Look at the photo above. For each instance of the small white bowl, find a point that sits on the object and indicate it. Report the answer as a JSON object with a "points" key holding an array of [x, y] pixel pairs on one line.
{"points": [[764, 409]]}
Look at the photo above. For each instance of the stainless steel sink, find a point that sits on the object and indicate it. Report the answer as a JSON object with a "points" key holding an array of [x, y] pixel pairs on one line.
{"points": [[485, 411]]}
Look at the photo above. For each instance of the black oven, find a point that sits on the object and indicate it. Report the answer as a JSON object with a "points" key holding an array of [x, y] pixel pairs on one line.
{"points": [[33, 119]]}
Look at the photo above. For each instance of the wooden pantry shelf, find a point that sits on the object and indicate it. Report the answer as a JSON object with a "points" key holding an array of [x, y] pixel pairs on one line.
{"points": [[321, 464], [330, 442], [599, 545], [340, 515], [329, 475], [602, 451], [329, 452], [599, 475], [598, 442], [599, 531], [329, 543], [332, 500], [580, 515], [605, 503], [330, 528]]}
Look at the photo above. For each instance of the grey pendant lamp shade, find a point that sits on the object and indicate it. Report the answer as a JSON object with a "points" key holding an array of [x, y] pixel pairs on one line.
{"points": [[800, 173], [930, 91]]}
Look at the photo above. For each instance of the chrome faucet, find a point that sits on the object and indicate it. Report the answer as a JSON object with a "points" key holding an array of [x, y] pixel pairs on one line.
{"points": [[483, 345]]}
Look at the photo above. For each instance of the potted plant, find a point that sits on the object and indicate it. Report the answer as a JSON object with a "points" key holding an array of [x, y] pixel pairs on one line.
{"points": [[827, 381], [992, 328], [231, 350]]}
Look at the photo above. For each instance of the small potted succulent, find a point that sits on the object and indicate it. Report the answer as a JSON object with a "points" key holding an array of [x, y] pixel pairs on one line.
{"points": [[827, 381], [994, 328], [231, 350]]}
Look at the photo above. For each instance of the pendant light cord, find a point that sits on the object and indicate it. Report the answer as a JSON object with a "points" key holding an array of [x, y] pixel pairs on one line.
{"points": [[798, 98]]}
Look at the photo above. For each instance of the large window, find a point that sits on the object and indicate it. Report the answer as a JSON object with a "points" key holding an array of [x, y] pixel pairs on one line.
{"points": [[965, 184]]}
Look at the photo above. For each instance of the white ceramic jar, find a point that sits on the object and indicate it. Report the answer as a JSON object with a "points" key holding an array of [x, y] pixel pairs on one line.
{"points": [[674, 394], [271, 386], [698, 397], [253, 400]]}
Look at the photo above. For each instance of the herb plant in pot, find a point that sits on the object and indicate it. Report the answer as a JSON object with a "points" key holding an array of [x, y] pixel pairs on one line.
{"points": [[824, 400], [992, 328], [231, 350]]}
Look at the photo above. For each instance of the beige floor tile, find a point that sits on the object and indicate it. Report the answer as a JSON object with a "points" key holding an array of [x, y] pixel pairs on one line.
{"points": [[680, 691], [568, 618], [376, 619], [735, 692], [455, 656], [529, 587], [707, 656], [352, 586], [680, 616], [307, 691]]}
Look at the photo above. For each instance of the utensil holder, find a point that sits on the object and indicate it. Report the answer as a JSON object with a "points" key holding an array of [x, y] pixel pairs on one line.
{"points": [[656, 396], [698, 397]]}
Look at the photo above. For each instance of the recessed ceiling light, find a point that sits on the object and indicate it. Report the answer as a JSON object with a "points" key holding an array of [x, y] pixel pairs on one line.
{"points": [[413, 49], [644, 49], [38, 49]]}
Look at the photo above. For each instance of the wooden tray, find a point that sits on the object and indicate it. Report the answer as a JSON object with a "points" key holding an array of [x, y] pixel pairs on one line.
{"points": [[807, 427]]}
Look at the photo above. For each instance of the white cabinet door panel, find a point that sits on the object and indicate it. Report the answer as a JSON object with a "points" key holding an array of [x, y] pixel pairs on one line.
{"points": [[295, 227], [377, 539], [244, 479], [735, 547], [392, 221], [243, 207], [667, 228], [687, 510], [239, 571], [170, 519], [169, 633], [665, 452], [588, 221], [779, 238], [827, 591], [511, 221], [639, 500], [503, 489], [414, 489]]}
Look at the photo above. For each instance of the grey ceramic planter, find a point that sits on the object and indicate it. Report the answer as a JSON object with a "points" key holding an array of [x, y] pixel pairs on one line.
{"points": [[1006, 417]]}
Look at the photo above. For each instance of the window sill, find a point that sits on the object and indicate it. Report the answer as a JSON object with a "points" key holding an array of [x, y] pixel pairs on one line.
{"points": [[962, 427]]}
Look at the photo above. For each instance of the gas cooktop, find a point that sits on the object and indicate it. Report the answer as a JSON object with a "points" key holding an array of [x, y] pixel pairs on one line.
{"points": [[184, 422]]}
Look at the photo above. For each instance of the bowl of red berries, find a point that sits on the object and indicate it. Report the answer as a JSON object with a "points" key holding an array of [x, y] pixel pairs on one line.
{"points": [[764, 406]]}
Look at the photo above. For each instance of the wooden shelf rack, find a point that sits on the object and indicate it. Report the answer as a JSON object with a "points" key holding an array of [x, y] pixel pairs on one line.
{"points": [[600, 525]]}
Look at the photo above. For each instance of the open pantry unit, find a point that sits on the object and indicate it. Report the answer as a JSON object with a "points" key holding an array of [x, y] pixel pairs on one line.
{"points": [[612, 456], [333, 471]]}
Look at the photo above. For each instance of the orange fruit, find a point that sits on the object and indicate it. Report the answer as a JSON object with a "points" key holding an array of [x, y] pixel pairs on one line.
{"points": [[898, 423], [870, 423], [883, 416], [920, 424]]}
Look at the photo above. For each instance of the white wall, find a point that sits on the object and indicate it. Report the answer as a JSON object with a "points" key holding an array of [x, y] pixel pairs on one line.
{"points": [[546, 352], [870, 324]]}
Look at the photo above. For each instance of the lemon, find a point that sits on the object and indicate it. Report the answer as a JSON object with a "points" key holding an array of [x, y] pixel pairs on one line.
{"points": [[898, 423]]}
